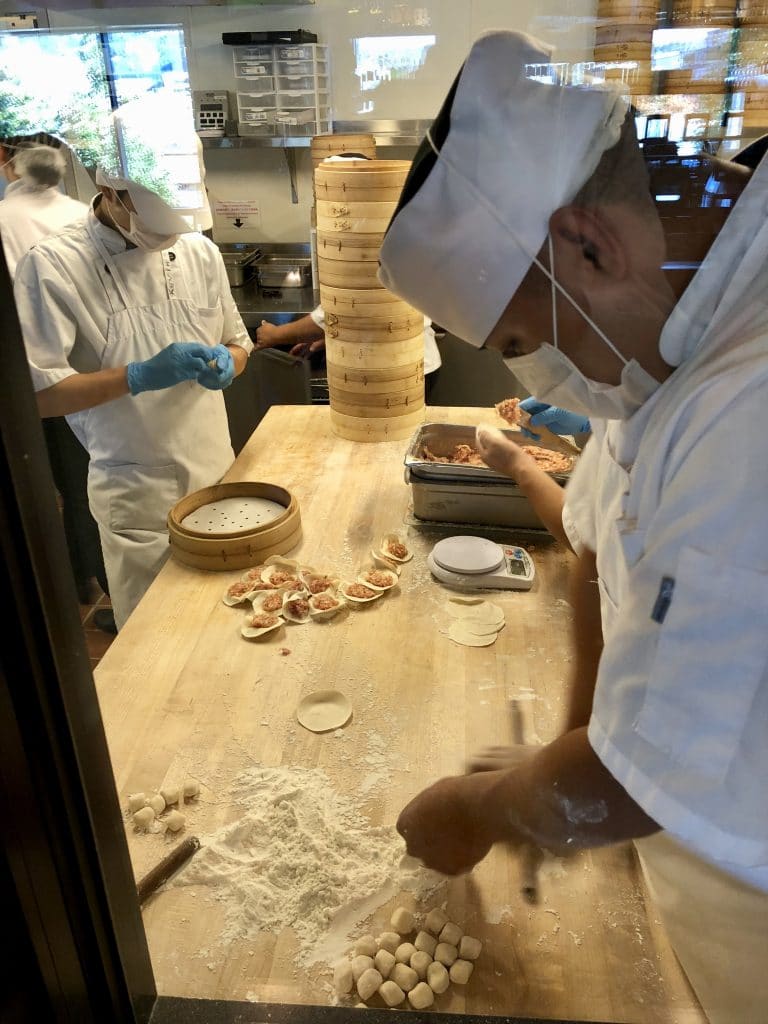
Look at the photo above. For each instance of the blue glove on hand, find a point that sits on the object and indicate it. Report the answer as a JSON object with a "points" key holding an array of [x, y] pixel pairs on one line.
{"points": [[181, 360], [559, 421], [222, 374]]}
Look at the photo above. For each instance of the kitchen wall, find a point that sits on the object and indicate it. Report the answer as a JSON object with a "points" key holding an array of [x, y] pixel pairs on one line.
{"points": [[262, 174]]}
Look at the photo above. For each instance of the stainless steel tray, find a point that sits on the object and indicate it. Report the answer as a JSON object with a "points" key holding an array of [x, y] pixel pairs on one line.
{"points": [[442, 438], [284, 271]]}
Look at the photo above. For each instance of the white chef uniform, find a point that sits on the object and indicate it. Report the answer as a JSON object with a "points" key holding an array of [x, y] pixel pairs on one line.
{"points": [[432, 360], [673, 502], [29, 213], [88, 302]]}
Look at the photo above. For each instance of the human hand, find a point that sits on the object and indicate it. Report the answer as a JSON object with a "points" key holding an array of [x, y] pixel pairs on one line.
{"points": [[559, 421], [222, 373], [500, 452], [306, 348], [179, 361], [451, 825], [267, 335]]}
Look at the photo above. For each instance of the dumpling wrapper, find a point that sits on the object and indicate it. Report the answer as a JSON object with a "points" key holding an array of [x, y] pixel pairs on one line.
{"points": [[460, 634], [483, 611], [481, 628]]}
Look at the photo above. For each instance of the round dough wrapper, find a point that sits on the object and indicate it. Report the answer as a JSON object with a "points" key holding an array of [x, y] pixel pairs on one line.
{"points": [[324, 710], [482, 628], [459, 633], [457, 610]]}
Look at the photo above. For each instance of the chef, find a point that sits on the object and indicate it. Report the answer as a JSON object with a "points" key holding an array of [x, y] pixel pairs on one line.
{"points": [[131, 333], [664, 744]]}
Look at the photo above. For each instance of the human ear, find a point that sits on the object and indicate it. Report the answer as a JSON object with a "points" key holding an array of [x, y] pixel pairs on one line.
{"points": [[587, 250]]}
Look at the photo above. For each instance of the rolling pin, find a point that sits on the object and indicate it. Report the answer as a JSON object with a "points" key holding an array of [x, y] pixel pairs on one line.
{"points": [[176, 859], [529, 855]]}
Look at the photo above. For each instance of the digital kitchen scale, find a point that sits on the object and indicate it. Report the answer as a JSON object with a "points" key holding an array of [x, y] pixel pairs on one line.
{"points": [[477, 563]]}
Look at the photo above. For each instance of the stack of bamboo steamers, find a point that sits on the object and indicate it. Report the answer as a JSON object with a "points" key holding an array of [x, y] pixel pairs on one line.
{"points": [[374, 342]]}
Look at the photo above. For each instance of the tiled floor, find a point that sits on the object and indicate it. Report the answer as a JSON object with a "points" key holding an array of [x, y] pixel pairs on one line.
{"points": [[96, 639]]}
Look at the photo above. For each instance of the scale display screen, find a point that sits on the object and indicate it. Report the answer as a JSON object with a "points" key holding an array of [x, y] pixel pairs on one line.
{"points": [[210, 106]]}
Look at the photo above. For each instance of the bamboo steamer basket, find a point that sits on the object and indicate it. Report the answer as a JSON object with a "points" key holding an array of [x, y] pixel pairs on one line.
{"points": [[323, 146], [365, 302], [372, 330], [366, 355], [354, 218], [375, 429], [372, 181], [385, 406], [624, 52], [350, 248], [701, 13], [754, 12], [639, 11], [339, 273], [616, 33], [376, 382], [239, 548], [754, 101]]}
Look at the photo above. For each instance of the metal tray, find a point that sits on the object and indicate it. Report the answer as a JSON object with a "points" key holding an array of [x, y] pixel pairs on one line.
{"points": [[284, 272], [442, 438]]}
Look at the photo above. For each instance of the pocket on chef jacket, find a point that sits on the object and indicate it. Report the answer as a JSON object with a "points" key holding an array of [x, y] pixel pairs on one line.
{"points": [[710, 660], [211, 322], [140, 497]]}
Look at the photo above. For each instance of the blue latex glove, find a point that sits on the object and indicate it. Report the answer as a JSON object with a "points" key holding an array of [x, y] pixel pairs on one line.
{"points": [[181, 360], [222, 374], [559, 421]]}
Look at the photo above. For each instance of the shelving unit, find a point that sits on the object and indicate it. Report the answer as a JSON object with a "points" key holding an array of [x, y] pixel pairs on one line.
{"points": [[283, 91]]}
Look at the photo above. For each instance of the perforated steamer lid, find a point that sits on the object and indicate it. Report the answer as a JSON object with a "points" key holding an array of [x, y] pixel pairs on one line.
{"points": [[231, 515]]}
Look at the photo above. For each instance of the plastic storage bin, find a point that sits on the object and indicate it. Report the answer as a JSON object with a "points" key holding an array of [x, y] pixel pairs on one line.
{"points": [[253, 61]]}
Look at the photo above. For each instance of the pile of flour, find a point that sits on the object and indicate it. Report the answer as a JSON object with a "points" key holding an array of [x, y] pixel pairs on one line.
{"points": [[303, 857]]}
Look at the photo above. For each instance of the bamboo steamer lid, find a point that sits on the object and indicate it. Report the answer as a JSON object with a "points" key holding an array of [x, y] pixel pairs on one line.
{"points": [[376, 381], [348, 275], [323, 146], [374, 429], [366, 355], [361, 180], [363, 301], [241, 547], [349, 247]]}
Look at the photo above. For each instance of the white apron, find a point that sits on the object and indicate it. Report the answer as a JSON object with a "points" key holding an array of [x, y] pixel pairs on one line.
{"points": [[150, 450]]}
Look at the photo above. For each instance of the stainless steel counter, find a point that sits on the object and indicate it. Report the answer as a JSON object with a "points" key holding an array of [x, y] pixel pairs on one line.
{"points": [[277, 307]]}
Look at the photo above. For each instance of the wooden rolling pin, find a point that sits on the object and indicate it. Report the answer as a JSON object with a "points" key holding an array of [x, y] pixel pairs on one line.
{"points": [[529, 855], [176, 859]]}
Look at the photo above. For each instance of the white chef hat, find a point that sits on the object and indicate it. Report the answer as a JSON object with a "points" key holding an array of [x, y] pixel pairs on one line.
{"points": [[511, 149], [151, 208]]}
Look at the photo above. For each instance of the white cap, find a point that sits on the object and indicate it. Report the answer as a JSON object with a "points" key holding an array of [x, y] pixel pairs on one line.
{"points": [[153, 211], [512, 150]]}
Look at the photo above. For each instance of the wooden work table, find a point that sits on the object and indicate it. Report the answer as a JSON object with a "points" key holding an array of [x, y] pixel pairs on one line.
{"points": [[178, 699]]}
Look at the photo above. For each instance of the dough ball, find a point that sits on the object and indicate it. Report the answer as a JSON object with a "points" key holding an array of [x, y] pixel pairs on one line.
{"points": [[136, 801], [391, 993], [437, 978], [426, 943], [420, 961], [342, 977], [451, 934], [175, 821], [384, 961], [191, 789], [436, 920], [461, 971], [404, 952], [421, 996], [404, 976], [402, 921], [361, 1006], [389, 941], [170, 794], [446, 953], [469, 948], [370, 981], [143, 818], [366, 946], [157, 803], [360, 964]]}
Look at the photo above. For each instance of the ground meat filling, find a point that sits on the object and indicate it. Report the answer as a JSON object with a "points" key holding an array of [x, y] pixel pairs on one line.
{"points": [[272, 603], [466, 455], [240, 589], [397, 549], [299, 607], [263, 621], [358, 590], [325, 602], [319, 585], [378, 578]]}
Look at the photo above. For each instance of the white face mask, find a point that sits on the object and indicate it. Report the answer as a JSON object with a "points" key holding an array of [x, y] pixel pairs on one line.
{"points": [[552, 377], [140, 235]]}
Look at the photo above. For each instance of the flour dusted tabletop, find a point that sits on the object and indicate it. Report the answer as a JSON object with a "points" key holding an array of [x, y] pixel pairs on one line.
{"points": [[299, 854]]}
